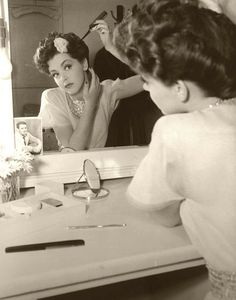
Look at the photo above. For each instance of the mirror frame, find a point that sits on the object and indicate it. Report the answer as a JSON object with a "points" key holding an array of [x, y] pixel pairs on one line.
{"points": [[111, 163]]}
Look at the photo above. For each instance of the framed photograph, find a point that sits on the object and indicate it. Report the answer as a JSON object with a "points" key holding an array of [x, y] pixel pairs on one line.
{"points": [[28, 134]]}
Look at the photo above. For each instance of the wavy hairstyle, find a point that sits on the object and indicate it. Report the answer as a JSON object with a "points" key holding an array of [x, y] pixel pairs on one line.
{"points": [[46, 50], [174, 40]]}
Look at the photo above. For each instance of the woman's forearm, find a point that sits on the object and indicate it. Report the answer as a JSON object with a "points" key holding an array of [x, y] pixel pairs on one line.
{"points": [[80, 138]]}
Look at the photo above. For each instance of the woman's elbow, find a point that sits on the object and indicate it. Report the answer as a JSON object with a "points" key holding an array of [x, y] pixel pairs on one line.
{"points": [[169, 221], [170, 215]]}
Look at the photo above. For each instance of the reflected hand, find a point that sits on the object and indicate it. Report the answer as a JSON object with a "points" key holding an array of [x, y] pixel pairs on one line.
{"points": [[92, 90], [104, 32]]}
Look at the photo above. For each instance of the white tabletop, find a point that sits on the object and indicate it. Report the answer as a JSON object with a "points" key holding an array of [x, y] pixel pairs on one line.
{"points": [[109, 255]]}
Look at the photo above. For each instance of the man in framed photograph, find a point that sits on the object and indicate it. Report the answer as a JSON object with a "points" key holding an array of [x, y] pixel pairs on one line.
{"points": [[25, 140]]}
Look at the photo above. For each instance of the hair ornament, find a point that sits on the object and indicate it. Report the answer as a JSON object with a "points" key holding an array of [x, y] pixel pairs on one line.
{"points": [[61, 45]]}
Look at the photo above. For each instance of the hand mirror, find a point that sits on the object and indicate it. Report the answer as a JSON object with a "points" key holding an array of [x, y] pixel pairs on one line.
{"points": [[94, 190], [92, 176]]}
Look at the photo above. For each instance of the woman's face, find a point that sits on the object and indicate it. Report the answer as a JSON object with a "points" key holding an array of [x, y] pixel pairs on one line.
{"points": [[67, 72], [162, 95]]}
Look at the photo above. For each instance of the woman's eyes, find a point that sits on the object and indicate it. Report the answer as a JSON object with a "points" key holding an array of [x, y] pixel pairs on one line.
{"points": [[67, 67], [55, 75]]}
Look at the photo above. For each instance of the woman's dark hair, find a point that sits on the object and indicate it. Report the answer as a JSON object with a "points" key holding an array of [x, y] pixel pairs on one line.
{"points": [[46, 49], [171, 40]]}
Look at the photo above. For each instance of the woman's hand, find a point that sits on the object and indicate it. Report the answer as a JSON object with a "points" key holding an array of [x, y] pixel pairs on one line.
{"points": [[106, 37], [80, 137], [92, 90], [104, 32]]}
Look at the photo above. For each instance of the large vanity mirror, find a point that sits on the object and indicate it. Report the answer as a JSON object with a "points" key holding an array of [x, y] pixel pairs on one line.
{"points": [[130, 127]]}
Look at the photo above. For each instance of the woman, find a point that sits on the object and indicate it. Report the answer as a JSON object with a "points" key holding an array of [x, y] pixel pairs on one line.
{"points": [[80, 108], [186, 56]]}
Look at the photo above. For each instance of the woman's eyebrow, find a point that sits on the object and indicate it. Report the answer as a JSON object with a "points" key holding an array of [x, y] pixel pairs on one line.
{"points": [[65, 61]]}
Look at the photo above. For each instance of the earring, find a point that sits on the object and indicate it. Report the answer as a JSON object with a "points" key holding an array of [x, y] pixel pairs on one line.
{"points": [[180, 92], [85, 77]]}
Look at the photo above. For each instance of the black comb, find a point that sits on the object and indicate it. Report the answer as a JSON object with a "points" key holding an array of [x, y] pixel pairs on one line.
{"points": [[99, 17]]}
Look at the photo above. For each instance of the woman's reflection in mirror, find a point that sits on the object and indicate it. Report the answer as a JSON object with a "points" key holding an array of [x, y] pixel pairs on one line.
{"points": [[80, 109]]}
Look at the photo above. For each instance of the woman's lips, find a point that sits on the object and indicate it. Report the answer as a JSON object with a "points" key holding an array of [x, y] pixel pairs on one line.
{"points": [[69, 85]]}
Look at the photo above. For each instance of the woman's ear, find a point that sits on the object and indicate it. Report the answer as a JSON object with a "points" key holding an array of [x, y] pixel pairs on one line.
{"points": [[85, 64], [182, 91]]}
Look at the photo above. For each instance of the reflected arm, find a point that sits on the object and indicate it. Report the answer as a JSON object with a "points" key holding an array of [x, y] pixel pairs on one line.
{"points": [[130, 86], [79, 139], [106, 37]]}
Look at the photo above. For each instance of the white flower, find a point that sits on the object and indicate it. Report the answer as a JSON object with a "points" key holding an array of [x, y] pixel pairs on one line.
{"points": [[18, 161], [4, 169], [61, 45]]}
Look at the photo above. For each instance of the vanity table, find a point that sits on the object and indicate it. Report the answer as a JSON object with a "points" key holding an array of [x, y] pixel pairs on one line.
{"points": [[110, 255]]}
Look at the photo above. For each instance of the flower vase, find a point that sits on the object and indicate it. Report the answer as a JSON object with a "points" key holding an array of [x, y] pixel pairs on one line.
{"points": [[9, 188]]}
